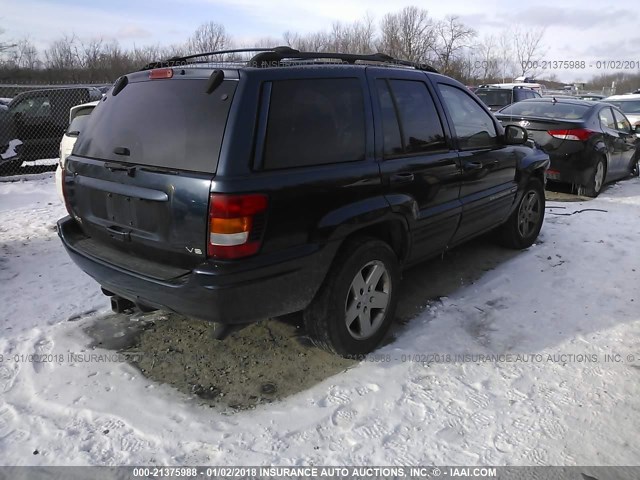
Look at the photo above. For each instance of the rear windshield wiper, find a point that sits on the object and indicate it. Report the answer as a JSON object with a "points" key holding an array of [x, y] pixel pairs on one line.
{"points": [[118, 167], [147, 168]]}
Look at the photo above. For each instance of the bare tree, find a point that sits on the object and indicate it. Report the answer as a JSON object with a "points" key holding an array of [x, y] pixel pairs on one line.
{"points": [[452, 37], [408, 34], [528, 47], [24, 55], [488, 62], [506, 54], [356, 37], [6, 46], [208, 37], [63, 53], [312, 42]]}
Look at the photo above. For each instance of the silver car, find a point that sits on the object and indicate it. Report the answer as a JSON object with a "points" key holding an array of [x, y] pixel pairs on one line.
{"points": [[629, 104]]}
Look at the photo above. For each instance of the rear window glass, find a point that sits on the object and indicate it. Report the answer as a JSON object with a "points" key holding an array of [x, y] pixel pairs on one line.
{"points": [[566, 111], [627, 106], [163, 123], [315, 122], [495, 98]]}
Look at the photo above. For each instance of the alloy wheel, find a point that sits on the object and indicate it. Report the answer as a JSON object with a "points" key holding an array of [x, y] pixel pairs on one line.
{"points": [[367, 300], [529, 213], [598, 177]]}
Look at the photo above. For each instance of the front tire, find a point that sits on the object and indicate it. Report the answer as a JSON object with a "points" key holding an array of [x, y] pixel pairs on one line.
{"points": [[523, 226], [356, 305], [635, 165]]}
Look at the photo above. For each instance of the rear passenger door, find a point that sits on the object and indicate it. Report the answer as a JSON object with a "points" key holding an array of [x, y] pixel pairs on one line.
{"points": [[314, 156], [418, 164], [488, 186]]}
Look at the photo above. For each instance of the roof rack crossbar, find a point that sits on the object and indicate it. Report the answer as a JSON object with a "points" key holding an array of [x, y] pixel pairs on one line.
{"points": [[269, 56]]}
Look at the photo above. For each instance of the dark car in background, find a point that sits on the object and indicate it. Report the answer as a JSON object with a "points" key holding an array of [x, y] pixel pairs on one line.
{"points": [[33, 123], [589, 143], [496, 97], [239, 193]]}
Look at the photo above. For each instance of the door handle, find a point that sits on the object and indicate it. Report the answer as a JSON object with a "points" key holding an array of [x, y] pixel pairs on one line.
{"points": [[397, 178], [471, 166], [120, 234]]}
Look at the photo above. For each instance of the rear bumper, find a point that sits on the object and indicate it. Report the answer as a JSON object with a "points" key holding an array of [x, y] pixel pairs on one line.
{"points": [[230, 293], [575, 168]]}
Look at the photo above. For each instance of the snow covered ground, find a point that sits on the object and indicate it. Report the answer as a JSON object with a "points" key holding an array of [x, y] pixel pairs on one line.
{"points": [[536, 386]]}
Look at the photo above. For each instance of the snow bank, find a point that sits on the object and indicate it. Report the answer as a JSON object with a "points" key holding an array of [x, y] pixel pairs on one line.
{"points": [[560, 310]]}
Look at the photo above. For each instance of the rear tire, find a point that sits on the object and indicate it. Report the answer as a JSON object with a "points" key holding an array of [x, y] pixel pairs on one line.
{"points": [[596, 182], [354, 309], [524, 224]]}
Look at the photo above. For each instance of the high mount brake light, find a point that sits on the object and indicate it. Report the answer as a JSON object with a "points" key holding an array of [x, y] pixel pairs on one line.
{"points": [[160, 73], [232, 225]]}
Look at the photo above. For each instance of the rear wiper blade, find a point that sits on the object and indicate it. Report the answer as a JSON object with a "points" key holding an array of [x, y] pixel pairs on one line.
{"points": [[118, 167], [148, 168]]}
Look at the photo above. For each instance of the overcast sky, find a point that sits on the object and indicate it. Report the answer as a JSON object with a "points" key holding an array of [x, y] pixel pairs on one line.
{"points": [[578, 30]]}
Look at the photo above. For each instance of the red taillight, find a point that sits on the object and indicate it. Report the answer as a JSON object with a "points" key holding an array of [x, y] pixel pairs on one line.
{"points": [[232, 225], [161, 73], [580, 134]]}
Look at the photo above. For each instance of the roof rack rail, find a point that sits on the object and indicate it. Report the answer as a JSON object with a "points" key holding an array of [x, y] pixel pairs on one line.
{"points": [[269, 56], [184, 60]]}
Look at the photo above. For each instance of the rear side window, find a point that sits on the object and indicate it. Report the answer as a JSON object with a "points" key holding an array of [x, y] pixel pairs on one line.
{"points": [[315, 122], [495, 98], [473, 125], [34, 107], [410, 121], [630, 107], [163, 123]]}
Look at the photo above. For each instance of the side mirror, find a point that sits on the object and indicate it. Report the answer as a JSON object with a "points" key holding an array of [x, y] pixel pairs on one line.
{"points": [[515, 135], [636, 129]]}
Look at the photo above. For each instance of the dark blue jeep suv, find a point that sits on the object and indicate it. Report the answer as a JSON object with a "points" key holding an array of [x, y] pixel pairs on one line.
{"points": [[294, 181]]}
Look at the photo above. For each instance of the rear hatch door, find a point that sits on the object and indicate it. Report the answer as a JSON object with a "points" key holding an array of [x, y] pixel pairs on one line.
{"points": [[140, 174]]}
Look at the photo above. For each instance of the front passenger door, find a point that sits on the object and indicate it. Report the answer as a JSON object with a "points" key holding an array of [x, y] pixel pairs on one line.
{"points": [[628, 141], [488, 186], [418, 162]]}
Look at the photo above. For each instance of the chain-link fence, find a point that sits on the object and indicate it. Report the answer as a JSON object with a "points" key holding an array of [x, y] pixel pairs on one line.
{"points": [[37, 123]]}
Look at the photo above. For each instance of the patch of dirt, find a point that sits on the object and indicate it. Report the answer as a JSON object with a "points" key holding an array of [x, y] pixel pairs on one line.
{"points": [[259, 364]]}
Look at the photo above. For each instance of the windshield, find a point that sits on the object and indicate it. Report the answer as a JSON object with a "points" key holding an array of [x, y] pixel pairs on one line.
{"points": [[493, 98], [565, 111], [631, 107]]}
